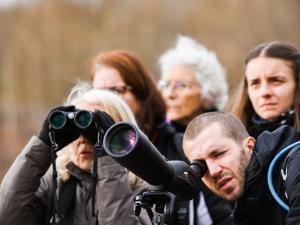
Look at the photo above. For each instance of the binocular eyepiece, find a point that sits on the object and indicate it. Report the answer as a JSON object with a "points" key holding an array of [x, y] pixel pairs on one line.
{"points": [[82, 119]]}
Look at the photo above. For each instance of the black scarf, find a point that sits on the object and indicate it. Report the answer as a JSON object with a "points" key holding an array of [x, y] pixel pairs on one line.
{"points": [[258, 125]]}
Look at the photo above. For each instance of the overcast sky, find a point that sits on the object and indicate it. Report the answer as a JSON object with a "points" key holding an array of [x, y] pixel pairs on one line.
{"points": [[10, 3]]}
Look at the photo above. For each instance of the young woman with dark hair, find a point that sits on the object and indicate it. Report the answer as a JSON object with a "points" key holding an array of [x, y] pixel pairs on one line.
{"points": [[269, 94]]}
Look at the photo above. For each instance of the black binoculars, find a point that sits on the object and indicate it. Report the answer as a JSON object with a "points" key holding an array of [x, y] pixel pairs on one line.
{"points": [[82, 119]]}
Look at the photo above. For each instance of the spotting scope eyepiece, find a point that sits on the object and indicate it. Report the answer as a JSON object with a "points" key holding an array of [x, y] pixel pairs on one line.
{"points": [[131, 148]]}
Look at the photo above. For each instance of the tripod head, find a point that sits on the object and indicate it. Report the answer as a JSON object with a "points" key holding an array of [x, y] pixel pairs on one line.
{"points": [[162, 207]]}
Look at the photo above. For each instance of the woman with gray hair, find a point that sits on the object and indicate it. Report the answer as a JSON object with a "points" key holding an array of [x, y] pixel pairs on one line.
{"points": [[192, 81]]}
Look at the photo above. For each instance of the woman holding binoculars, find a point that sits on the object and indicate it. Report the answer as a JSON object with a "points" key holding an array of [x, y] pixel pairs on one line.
{"points": [[29, 194]]}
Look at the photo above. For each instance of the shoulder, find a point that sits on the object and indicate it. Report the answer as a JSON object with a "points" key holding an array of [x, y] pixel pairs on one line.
{"points": [[270, 143], [283, 133], [169, 142]]}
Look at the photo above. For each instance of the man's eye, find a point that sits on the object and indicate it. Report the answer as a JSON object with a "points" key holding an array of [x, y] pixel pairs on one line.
{"points": [[218, 154]]}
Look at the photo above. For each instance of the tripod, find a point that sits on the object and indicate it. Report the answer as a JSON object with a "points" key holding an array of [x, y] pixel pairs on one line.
{"points": [[162, 207]]}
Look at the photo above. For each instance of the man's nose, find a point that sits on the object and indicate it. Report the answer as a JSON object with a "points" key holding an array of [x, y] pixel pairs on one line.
{"points": [[214, 168]]}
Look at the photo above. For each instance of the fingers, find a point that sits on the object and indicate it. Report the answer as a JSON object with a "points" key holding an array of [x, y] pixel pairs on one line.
{"points": [[104, 120]]}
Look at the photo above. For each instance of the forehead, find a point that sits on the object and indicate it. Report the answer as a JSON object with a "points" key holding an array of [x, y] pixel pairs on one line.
{"points": [[268, 66], [212, 138], [99, 106], [106, 77], [89, 106], [180, 72]]}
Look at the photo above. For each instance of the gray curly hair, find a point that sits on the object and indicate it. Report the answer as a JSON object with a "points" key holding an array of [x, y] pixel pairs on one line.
{"points": [[208, 70]]}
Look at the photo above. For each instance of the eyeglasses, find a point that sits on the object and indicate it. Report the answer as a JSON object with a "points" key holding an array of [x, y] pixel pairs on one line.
{"points": [[176, 85], [120, 90]]}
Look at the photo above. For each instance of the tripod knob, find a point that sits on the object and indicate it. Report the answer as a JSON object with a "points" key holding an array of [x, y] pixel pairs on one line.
{"points": [[137, 205]]}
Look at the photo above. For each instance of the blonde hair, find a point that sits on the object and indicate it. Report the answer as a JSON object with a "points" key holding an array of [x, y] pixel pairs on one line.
{"points": [[110, 103]]}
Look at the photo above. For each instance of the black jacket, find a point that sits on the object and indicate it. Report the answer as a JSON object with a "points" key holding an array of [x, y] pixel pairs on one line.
{"points": [[256, 125], [168, 141], [257, 205]]}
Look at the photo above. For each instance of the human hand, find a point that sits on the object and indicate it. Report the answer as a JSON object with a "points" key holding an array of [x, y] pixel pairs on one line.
{"points": [[101, 123], [62, 136]]}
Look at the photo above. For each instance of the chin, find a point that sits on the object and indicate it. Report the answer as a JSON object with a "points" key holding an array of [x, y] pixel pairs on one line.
{"points": [[269, 115], [232, 195], [229, 197], [235, 195], [86, 167], [172, 116]]}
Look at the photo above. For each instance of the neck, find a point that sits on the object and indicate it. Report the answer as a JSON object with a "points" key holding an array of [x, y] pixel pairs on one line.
{"points": [[258, 125]]}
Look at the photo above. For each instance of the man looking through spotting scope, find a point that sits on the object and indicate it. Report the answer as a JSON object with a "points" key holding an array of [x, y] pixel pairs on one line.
{"points": [[238, 165]]}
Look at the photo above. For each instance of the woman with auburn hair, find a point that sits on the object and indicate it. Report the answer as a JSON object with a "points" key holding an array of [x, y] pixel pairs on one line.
{"points": [[123, 73], [268, 96]]}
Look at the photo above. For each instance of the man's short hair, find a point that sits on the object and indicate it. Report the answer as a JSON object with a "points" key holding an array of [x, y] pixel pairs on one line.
{"points": [[230, 124]]}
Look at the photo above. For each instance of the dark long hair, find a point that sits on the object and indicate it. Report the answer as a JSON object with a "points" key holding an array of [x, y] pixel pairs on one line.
{"points": [[240, 103], [152, 106]]}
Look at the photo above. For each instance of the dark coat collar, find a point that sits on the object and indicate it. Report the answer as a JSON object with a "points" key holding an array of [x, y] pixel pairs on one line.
{"points": [[78, 173]]}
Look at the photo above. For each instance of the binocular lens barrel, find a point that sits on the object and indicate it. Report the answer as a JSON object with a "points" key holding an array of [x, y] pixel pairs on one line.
{"points": [[83, 119], [59, 119]]}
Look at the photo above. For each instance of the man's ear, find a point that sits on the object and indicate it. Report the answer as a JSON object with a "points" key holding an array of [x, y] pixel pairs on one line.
{"points": [[248, 144], [187, 146]]}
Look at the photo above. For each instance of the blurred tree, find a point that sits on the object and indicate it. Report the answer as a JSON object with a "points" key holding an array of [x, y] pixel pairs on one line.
{"points": [[47, 45]]}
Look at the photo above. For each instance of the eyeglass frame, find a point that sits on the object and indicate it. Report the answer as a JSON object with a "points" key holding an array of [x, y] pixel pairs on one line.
{"points": [[179, 85], [120, 89]]}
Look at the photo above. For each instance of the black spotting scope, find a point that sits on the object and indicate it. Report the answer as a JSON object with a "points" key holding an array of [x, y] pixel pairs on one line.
{"points": [[131, 148]]}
